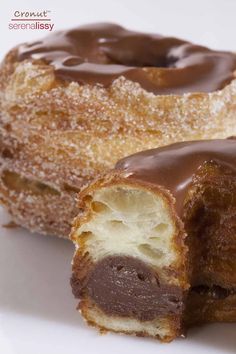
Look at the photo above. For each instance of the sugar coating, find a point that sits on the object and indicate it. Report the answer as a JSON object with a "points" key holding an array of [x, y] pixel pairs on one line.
{"points": [[63, 134]]}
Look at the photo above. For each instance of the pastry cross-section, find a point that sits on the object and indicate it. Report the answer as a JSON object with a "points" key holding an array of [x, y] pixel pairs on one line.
{"points": [[155, 242]]}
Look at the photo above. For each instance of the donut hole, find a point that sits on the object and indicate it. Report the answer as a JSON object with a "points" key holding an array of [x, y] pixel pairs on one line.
{"points": [[140, 51], [140, 60]]}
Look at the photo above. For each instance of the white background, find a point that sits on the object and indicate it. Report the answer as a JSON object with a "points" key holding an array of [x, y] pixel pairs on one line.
{"points": [[37, 310]]}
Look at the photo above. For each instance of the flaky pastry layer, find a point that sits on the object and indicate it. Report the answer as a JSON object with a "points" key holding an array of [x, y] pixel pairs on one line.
{"points": [[59, 135]]}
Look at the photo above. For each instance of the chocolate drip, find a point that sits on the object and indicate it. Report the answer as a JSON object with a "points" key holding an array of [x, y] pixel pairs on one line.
{"points": [[126, 286], [100, 53], [173, 166]]}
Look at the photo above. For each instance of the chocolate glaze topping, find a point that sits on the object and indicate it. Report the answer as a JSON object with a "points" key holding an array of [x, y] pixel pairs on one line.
{"points": [[100, 53], [126, 286], [173, 166]]}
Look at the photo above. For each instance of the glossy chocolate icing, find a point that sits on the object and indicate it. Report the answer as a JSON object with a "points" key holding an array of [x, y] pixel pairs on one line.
{"points": [[100, 53], [126, 286], [173, 166]]}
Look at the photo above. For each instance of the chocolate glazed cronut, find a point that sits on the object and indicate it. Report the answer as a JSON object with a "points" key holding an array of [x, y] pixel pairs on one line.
{"points": [[156, 243], [77, 101], [101, 53]]}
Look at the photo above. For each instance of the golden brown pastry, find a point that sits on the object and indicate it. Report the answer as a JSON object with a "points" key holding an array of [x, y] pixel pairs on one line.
{"points": [[74, 103], [210, 222], [155, 242]]}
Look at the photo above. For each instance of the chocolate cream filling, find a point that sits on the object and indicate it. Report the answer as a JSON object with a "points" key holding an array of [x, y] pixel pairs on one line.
{"points": [[100, 53], [125, 286]]}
